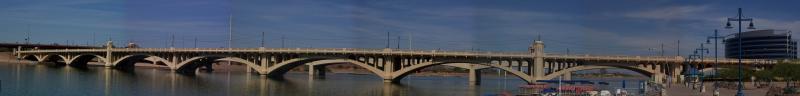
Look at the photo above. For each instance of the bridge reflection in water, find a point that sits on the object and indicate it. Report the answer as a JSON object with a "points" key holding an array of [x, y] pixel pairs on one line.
{"points": [[45, 80]]}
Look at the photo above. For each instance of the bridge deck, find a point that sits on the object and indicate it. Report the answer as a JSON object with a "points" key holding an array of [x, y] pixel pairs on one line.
{"points": [[404, 52]]}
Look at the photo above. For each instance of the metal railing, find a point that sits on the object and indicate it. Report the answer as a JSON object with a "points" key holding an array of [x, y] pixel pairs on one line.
{"points": [[401, 52]]}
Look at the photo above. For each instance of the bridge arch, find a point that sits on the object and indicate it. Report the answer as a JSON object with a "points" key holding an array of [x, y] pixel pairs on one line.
{"points": [[128, 61], [83, 59], [243, 61], [50, 57], [645, 71], [278, 70], [30, 57], [372, 69], [192, 64], [400, 74]]}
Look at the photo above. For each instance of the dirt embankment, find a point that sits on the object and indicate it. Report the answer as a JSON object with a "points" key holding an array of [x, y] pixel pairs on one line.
{"points": [[8, 57]]}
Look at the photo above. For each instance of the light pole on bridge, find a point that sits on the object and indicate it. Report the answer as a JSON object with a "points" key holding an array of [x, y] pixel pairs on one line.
{"points": [[739, 18]]}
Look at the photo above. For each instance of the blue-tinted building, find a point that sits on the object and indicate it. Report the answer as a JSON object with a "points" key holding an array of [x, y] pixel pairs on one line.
{"points": [[762, 44]]}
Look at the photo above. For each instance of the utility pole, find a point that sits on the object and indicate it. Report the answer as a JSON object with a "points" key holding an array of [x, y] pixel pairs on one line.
{"points": [[409, 41], [230, 31], [28, 38], [230, 34], [398, 42], [679, 47], [662, 49], [387, 39], [28, 35], [93, 38], [262, 39], [172, 44]]}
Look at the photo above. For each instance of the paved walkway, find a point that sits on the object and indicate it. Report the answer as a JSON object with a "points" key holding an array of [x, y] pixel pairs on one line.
{"points": [[679, 89]]}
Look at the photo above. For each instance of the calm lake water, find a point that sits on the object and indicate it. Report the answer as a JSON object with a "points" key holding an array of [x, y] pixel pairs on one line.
{"points": [[42, 80]]}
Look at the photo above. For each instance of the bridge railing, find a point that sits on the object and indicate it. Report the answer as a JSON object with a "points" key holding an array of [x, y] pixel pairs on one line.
{"points": [[400, 51]]}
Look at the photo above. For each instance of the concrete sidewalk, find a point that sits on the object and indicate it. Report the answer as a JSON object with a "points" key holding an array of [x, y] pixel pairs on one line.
{"points": [[679, 89]]}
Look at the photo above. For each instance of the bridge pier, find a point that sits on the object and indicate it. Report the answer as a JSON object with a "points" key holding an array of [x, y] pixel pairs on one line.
{"points": [[537, 50], [249, 70], [318, 70], [474, 76]]}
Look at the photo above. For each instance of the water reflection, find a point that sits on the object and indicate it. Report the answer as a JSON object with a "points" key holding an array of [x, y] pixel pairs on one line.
{"points": [[42, 80]]}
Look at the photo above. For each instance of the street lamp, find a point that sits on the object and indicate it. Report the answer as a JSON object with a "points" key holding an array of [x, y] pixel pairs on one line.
{"points": [[739, 18], [689, 60], [716, 38], [701, 66]]}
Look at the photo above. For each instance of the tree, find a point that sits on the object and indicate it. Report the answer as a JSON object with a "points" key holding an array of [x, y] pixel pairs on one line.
{"points": [[728, 73], [764, 74]]}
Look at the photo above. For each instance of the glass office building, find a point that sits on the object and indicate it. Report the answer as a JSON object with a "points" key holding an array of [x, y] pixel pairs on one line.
{"points": [[762, 44]]}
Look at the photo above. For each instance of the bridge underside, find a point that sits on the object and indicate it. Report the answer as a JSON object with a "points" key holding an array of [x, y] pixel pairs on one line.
{"points": [[391, 69]]}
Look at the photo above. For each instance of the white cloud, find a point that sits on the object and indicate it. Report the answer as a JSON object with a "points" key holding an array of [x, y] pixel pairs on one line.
{"points": [[669, 13], [775, 24]]}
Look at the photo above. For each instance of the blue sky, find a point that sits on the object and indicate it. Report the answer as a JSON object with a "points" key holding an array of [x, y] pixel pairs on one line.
{"points": [[620, 27]]}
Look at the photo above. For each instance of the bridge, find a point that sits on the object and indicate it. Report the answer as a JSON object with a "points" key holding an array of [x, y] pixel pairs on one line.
{"points": [[390, 64]]}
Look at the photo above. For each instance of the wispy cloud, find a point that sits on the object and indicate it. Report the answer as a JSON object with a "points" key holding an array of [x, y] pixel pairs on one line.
{"points": [[669, 13]]}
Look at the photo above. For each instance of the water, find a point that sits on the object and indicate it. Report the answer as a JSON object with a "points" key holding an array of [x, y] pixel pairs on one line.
{"points": [[42, 80]]}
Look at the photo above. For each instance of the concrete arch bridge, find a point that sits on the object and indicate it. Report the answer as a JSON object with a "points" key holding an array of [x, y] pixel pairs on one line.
{"points": [[390, 64]]}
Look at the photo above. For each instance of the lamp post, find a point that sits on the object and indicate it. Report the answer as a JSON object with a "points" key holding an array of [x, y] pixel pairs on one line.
{"points": [[691, 59], [703, 50], [716, 38], [788, 42], [739, 18]]}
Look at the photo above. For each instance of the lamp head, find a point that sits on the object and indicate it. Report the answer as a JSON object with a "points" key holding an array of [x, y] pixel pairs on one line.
{"points": [[750, 26], [728, 25]]}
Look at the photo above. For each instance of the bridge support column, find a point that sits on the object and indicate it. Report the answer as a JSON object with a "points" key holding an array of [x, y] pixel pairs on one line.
{"points": [[263, 66], [537, 50], [249, 70], [388, 68], [174, 62], [676, 71], [16, 52], [474, 76], [109, 46], [659, 78], [316, 70]]}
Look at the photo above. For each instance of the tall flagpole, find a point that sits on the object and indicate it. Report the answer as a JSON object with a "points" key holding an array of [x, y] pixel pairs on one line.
{"points": [[230, 31], [230, 34]]}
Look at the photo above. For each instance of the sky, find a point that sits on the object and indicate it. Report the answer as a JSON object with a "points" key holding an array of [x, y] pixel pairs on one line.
{"points": [[608, 27]]}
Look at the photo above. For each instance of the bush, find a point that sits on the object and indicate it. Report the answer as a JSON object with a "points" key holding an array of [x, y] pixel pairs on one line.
{"points": [[5, 49]]}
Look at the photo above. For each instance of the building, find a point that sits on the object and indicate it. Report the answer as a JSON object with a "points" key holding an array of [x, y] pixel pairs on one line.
{"points": [[762, 44]]}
